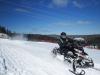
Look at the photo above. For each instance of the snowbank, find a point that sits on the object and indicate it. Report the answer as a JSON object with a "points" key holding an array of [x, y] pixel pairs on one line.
{"points": [[2, 35]]}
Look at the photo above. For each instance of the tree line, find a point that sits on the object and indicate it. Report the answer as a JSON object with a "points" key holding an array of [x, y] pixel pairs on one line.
{"points": [[5, 30], [91, 39]]}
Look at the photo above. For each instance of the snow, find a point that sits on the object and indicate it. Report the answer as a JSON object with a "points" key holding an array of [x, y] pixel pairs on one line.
{"points": [[34, 58], [2, 35], [95, 54]]}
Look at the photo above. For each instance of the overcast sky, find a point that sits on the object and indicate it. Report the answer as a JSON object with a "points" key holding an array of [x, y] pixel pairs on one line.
{"points": [[51, 16]]}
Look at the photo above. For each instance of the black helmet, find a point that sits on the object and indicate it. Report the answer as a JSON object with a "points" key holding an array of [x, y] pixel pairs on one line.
{"points": [[63, 35]]}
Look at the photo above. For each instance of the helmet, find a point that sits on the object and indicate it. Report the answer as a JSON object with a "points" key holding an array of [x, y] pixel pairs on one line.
{"points": [[63, 35]]}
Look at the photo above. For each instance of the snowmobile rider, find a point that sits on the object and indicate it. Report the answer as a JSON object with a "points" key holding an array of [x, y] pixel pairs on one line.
{"points": [[66, 44]]}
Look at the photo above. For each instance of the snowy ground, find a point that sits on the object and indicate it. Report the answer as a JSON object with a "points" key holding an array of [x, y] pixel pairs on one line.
{"points": [[35, 58]]}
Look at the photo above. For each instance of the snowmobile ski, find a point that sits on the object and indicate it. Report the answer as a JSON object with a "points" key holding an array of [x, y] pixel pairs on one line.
{"points": [[76, 73]]}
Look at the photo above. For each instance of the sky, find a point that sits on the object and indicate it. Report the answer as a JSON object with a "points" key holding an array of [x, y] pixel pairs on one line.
{"points": [[75, 17]]}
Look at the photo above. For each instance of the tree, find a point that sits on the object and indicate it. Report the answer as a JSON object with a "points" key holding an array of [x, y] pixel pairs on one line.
{"points": [[2, 29], [5, 30]]}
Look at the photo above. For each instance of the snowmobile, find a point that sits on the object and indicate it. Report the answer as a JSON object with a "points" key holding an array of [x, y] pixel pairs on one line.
{"points": [[80, 61], [83, 61]]}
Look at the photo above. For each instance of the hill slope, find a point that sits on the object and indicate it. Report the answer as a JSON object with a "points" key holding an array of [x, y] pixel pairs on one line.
{"points": [[35, 58]]}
